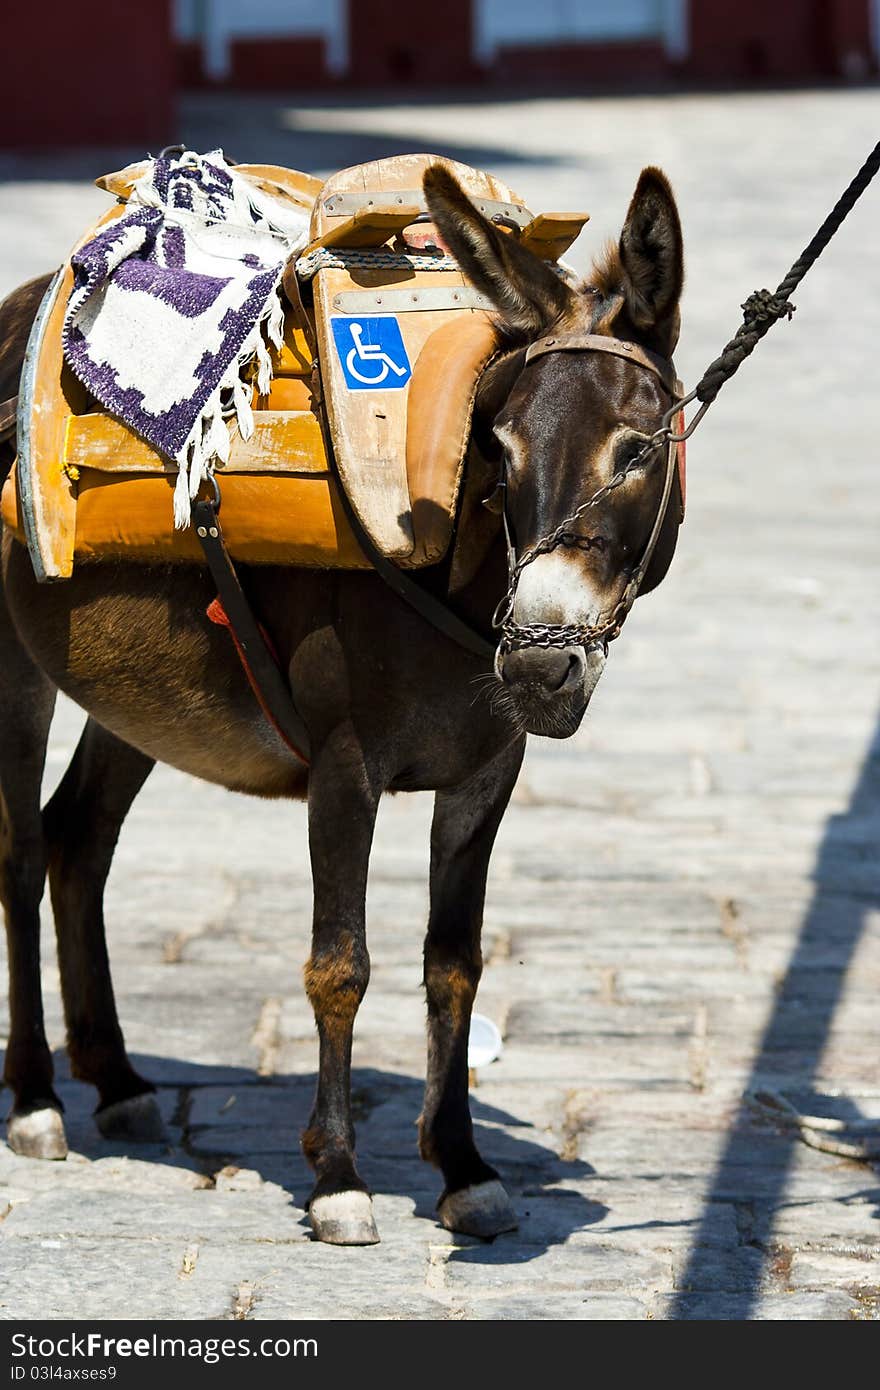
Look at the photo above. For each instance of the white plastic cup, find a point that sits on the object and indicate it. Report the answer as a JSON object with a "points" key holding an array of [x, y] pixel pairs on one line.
{"points": [[484, 1042]]}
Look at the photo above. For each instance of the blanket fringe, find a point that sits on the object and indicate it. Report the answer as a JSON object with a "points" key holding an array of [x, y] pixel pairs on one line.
{"points": [[209, 441]]}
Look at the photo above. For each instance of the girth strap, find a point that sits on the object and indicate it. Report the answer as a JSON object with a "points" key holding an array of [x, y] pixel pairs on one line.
{"points": [[260, 665], [432, 609]]}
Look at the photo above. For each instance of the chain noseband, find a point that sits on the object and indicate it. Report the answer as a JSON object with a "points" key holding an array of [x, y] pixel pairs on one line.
{"points": [[515, 636]]}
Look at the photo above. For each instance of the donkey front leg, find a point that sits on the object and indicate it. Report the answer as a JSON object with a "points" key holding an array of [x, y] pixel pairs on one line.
{"points": [[342, 812], [465, 823]]}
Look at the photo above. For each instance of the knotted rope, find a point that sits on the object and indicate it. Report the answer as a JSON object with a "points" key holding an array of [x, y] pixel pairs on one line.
{"points": [[764, 307]]}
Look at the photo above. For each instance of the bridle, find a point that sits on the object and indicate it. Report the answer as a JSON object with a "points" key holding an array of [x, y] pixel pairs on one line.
{"points": [[515, 636]]}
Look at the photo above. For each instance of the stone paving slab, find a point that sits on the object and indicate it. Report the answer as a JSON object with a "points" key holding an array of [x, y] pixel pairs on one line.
{"points": [[684, 903]]}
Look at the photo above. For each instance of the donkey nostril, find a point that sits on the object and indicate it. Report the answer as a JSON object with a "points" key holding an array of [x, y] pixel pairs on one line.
{"points": [[557, 671], [571, 672], [547, 669]]}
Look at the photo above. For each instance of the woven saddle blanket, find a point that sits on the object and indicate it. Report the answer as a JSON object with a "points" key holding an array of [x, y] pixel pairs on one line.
{"points": [[174, 307]]}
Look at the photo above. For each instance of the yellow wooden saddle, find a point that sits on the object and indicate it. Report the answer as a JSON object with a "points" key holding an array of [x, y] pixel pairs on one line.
{"points": [[384, 346]]}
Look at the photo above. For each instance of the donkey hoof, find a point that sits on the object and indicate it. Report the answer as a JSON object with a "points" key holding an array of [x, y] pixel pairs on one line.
{"points": [[38, 1134], [344, 1218], [137, 1119], [481, 1210]]}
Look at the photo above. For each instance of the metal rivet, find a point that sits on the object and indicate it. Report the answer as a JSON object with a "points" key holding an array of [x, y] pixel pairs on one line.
{"points": [[213, 532], [200, 531]]}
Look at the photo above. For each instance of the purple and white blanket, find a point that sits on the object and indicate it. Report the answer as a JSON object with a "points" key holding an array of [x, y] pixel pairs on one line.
{"points": [[173, 306]]}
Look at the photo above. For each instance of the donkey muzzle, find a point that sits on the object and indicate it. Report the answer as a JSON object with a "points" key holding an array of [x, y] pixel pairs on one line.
{"points": [[551, 686]]}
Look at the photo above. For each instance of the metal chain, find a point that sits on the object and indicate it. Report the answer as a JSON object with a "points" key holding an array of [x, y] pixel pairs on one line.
{"points": [[761, 310]]}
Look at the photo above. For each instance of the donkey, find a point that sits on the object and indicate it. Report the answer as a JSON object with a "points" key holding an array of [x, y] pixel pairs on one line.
{"points": [[388, 702]]}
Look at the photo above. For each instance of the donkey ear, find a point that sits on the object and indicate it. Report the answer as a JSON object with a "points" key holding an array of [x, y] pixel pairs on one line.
{"points": [[652, 258], [528, 295]]}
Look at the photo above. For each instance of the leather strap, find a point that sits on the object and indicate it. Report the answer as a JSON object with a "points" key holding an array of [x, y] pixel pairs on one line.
{"points": [[631, 592], [261, 668], [8, 418], [598, 342], [432, 609]]}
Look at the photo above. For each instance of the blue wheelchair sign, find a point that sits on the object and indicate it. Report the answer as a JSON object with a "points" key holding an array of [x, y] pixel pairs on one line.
{"points": [[371, 352]]}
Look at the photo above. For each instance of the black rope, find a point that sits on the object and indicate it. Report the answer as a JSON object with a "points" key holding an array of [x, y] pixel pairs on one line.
{"points": [[764, 307]]}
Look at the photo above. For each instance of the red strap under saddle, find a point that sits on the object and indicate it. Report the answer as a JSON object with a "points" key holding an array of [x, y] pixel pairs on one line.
{"points": [[681, 459], [217, 614]]}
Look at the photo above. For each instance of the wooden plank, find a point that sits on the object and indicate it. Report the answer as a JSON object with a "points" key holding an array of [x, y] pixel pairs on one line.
{"points": [[295, 357], [368, 427], [286, 393], [367, 227], [121, 181], [282, 441], [272, 178], [550, 234]]}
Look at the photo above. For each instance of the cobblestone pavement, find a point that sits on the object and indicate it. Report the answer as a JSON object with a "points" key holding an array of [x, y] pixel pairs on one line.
{"points": [[684, 899]]}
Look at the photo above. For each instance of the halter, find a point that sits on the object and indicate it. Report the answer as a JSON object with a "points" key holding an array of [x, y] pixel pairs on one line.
{"points": [[515, 636]]}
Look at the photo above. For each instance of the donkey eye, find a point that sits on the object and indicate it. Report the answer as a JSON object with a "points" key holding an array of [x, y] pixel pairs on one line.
{"points": [[628, 449]]}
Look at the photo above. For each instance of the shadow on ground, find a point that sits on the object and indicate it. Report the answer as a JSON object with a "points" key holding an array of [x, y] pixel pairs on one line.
{"points": [[790, 1054], [225, 1118], [271, 130]]}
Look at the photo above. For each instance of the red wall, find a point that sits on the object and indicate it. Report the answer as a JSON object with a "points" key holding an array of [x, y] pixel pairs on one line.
{"points": [[90, 73], [272, 64], [790, 40], [401, 44], [392, 41], [86, 73], [597, 64]]}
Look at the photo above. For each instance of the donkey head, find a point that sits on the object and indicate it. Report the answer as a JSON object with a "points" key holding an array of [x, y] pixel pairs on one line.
{"points": [[557, 428]]}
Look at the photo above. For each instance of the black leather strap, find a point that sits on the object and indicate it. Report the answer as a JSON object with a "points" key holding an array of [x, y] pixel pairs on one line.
{"points": [[432, 609], [269, 685]]}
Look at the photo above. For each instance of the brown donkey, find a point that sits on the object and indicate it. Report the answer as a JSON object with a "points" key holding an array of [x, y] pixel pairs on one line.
{"points": [[388, 701]]}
